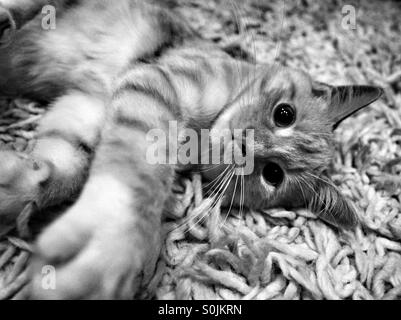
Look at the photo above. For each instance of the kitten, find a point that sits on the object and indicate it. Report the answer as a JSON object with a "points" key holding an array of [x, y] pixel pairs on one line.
{"points": [[114, 70]]}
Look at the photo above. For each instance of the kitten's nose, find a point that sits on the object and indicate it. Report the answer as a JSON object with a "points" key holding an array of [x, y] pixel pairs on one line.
{"points": [[239, 144], [242, 147]]}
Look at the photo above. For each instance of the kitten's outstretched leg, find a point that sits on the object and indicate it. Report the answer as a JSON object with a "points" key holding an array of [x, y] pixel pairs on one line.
{"points": [[56, 168], [111, 236]]}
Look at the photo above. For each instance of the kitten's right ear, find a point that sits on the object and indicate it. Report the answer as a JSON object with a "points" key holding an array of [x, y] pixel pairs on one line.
{"points": [[344, 101], [329, 204]]}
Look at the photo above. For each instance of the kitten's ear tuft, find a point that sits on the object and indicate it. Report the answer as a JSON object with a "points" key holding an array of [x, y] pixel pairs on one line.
{"points": [[343, 101], [330, 205]]}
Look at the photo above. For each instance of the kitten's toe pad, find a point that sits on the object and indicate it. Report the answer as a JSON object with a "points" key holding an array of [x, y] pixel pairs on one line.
{"points": [[7, 27]]}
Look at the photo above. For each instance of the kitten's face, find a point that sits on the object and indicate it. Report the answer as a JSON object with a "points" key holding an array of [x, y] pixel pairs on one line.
{"points": [[293, 119]]}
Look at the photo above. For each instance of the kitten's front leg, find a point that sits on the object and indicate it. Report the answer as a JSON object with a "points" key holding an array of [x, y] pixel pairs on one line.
{"points": [[110, 239]]}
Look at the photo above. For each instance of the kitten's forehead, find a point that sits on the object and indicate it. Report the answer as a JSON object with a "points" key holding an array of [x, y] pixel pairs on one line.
{"points": [[288, 80]]}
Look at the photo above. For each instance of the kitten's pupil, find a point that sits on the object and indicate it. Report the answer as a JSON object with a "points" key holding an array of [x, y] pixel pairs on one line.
{"points": [[284, 115], [273, 174]]}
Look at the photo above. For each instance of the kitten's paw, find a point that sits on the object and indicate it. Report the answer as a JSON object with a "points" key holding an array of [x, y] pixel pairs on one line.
{"points": [[92, 256], [8, 27], [20, 179]]}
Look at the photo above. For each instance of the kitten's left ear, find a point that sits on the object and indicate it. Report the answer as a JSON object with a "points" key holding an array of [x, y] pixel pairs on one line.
{"points": [[343, 101], [329, 204]]}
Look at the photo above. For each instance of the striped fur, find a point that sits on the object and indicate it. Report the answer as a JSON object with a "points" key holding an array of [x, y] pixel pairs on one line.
{"points": [[112, 71]]}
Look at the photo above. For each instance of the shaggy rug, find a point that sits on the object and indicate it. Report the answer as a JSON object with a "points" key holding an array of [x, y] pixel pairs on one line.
{"points": [[277, 254]]}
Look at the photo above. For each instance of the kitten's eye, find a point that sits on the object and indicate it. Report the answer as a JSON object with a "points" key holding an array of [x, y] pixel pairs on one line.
{"points": [[284, 115], [273, 174]]}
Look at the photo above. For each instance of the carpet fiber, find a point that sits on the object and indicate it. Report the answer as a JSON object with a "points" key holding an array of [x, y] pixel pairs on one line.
{"points": [[278, 254]]}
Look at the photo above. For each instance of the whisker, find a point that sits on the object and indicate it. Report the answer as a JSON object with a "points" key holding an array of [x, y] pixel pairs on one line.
{"points": [[201, 216], [214, 191], [312, 175], [213, 182], [227, 183], [232, 202], [318, 197], [242, 197], [222, 190], [309, 185], [296, 179]]}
